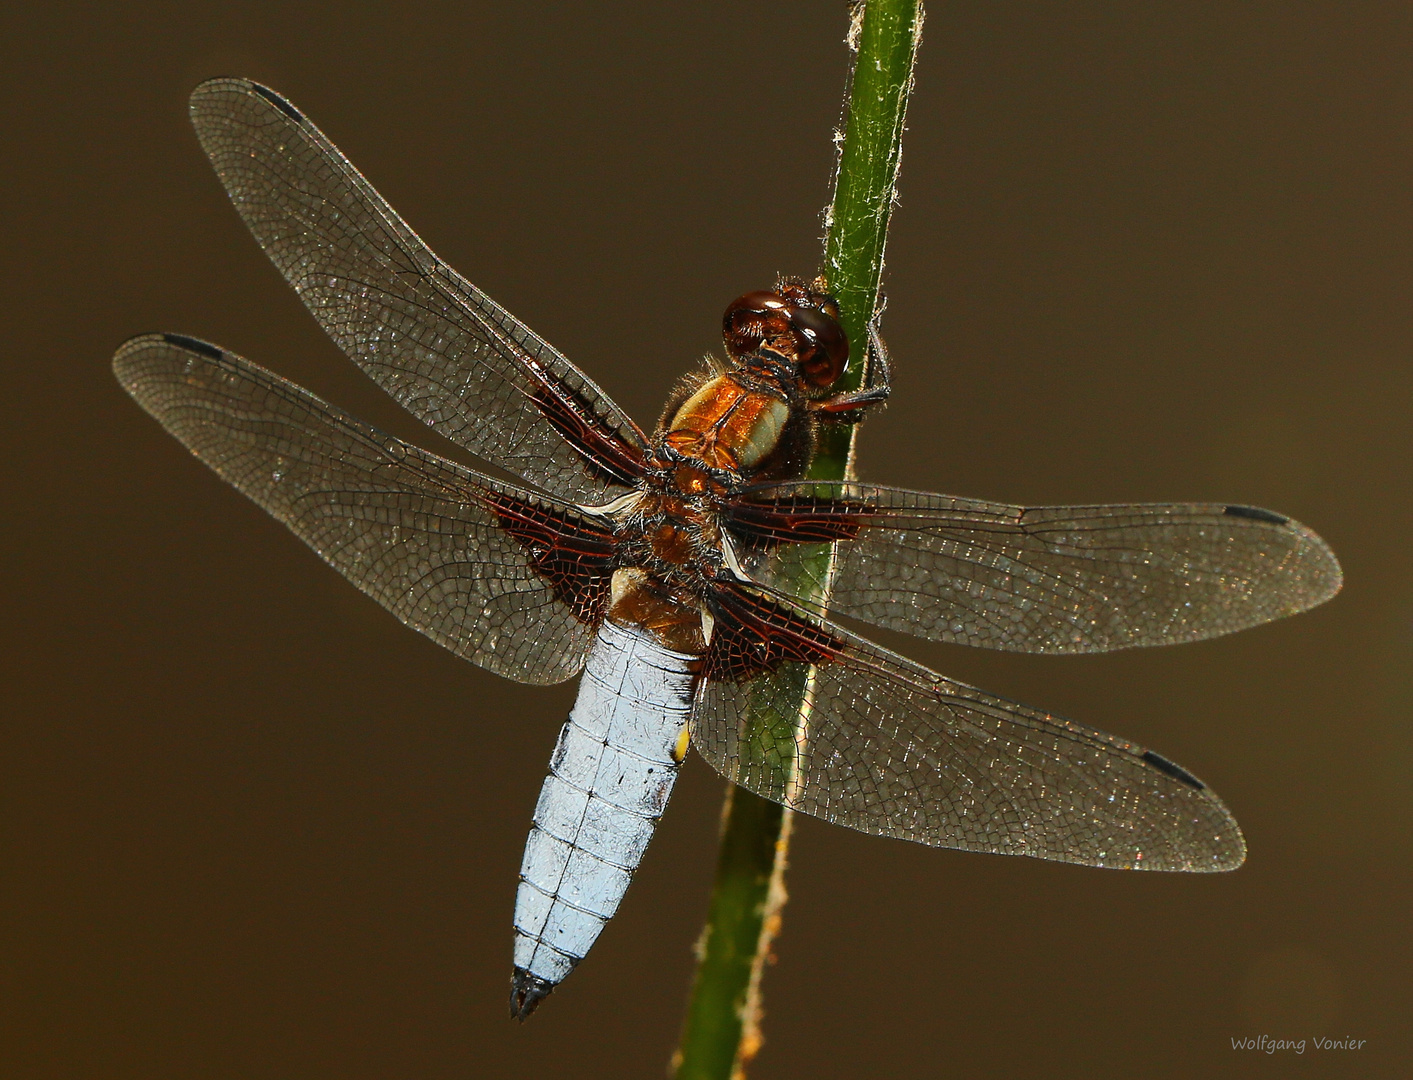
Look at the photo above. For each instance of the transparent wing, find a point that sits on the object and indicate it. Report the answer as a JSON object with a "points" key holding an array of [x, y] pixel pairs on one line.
{"points": [[893, 749], [446, 351], [1051, 579], [507, 579]]}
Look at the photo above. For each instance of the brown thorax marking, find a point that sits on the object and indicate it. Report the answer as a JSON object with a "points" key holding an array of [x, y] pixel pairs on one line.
{"points": [[679, 531], [692, 481], [671, 543], [730, 424]]}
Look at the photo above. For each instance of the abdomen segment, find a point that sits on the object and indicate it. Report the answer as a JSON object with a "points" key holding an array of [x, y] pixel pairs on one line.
{"points": [[610, 777]]}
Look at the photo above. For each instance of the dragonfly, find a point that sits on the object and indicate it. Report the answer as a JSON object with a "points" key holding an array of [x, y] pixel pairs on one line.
{"points": [[694, 575]]}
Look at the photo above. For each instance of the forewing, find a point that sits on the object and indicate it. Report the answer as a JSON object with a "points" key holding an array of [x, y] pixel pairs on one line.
{"points": [[890, 748], [1052, 579], [446, 351], [507, 579]]}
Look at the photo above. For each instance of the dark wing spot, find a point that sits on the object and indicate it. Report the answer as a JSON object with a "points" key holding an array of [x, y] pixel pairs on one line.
{"points": [[192, 344], [1255, 513], [1177, 772], [278, 102]]}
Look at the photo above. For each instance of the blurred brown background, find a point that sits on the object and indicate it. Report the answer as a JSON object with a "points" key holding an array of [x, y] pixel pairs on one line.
{"points": [[252, 827]]}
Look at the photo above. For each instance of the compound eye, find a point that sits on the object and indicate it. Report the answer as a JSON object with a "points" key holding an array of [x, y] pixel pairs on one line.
{"points": [[824, 352], [751, 319]]}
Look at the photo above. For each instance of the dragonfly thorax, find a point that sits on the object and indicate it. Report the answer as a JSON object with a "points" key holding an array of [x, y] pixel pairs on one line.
{"points": [[729, 425], [785, 351]]}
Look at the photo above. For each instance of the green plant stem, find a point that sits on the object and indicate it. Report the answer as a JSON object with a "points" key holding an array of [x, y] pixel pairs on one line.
{"points": [[721, 1033], [865, 187]]}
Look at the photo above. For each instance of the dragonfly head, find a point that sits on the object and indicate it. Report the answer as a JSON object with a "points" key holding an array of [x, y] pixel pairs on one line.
{"points": [[798, 323]]}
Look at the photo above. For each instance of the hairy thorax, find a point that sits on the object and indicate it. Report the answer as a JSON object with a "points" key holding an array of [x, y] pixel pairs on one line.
{"points": [[672, 547], [729, 424], [747, 422]]}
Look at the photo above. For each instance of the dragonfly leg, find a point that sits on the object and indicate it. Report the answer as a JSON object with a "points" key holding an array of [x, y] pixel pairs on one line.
{"points": [[851, 407]]}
